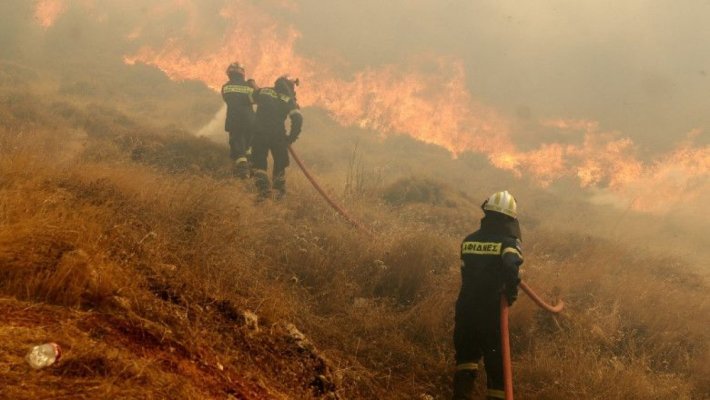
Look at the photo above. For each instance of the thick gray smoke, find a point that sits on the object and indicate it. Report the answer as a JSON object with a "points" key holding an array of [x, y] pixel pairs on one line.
{"points": [[637, 66]]}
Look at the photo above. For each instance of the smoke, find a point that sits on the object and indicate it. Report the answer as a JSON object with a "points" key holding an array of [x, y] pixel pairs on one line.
{"points": [[215, 128], [637, 66], [542, 90], [677, 182], [47, 11]]}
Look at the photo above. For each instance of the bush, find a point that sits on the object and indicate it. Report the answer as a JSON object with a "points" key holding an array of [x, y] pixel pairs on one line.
{"points": [[419, 190]]}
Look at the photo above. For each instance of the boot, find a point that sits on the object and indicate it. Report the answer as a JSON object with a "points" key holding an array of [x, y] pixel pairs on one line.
{"points": [[261, 179], [464, 384], [241, 168], [280, 185]]}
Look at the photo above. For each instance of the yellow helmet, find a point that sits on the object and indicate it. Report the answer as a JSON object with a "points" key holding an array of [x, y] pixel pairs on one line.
{"points": [[502, 202]]}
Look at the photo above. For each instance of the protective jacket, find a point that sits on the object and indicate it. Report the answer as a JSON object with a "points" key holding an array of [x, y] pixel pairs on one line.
{"points": [[240, 112], [490, 259], [272, 110], [273, 107]]}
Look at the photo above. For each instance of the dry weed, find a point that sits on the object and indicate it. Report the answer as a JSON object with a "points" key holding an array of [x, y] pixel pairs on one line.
{"points": [[142, 225]]}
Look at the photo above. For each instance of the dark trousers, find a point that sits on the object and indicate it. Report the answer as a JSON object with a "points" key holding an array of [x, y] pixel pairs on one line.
{"points": [[477, 334], [278, 147], [239, 142]]}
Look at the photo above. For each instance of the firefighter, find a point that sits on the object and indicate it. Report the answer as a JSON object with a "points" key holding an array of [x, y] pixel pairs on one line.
{"points": [[238, 95], [274, 105], [490, 259]]}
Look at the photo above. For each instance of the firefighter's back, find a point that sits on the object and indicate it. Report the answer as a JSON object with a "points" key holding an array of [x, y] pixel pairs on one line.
{"points": [[271, 113]]}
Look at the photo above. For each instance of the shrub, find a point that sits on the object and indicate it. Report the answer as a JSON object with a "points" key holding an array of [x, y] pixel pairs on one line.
{"points": [[418, 190]]}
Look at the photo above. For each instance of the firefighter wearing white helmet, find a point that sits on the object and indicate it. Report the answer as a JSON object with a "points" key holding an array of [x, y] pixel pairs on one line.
{"points": [[490, 260], [502, 202]]}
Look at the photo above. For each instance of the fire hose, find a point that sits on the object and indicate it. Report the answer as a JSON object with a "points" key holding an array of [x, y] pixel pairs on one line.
{"points": [[504, 331], [325, 196]]}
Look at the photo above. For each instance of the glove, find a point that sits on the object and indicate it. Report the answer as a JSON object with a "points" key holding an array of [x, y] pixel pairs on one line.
{"points": [[511, 294]]}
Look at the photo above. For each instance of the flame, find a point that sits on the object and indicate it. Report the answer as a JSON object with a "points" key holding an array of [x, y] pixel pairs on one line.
{"points": [[678, 178], [425, 97], [245, 40], [434, 107], [46, 12]]}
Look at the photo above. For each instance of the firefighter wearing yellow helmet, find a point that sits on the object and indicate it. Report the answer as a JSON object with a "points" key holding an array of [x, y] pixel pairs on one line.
{"points": [[490, 260]]}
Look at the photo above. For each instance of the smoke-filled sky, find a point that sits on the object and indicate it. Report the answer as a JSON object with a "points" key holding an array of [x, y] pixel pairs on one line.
{"points": [[639, 66], [613, 94]]}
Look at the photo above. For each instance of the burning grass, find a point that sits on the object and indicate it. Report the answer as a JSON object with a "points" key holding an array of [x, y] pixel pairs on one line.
{"points": [[131, 246]]}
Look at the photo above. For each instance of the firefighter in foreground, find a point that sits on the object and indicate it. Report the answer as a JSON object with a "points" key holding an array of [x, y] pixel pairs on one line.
{"points": [[274, 105], [238, 95], [490, 259]]}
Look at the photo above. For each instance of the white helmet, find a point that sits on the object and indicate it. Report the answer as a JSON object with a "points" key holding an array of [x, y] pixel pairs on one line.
{"points": [[502, 202]]}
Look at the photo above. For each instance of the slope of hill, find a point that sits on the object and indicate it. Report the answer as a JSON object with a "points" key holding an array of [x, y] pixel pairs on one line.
{"points": [[123, 238]]}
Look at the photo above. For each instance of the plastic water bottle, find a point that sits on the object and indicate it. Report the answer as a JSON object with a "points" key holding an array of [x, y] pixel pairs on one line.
{"points": [[44, 355]]}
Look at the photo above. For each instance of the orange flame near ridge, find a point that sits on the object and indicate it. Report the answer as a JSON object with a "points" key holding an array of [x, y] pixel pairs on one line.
{"points": [[681, 177], [269, 58], [433, 107], [47, 11]]}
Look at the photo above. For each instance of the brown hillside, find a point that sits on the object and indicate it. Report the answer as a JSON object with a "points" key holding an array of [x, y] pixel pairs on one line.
{"points": [[123, 238]]}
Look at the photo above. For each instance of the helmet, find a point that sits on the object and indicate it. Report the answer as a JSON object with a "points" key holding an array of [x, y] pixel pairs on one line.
{"points": [[502, 202], [235, 68], [287, 85]]}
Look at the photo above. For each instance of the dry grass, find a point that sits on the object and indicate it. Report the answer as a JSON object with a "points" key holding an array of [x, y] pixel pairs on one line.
{"points": [[129, 244]]}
